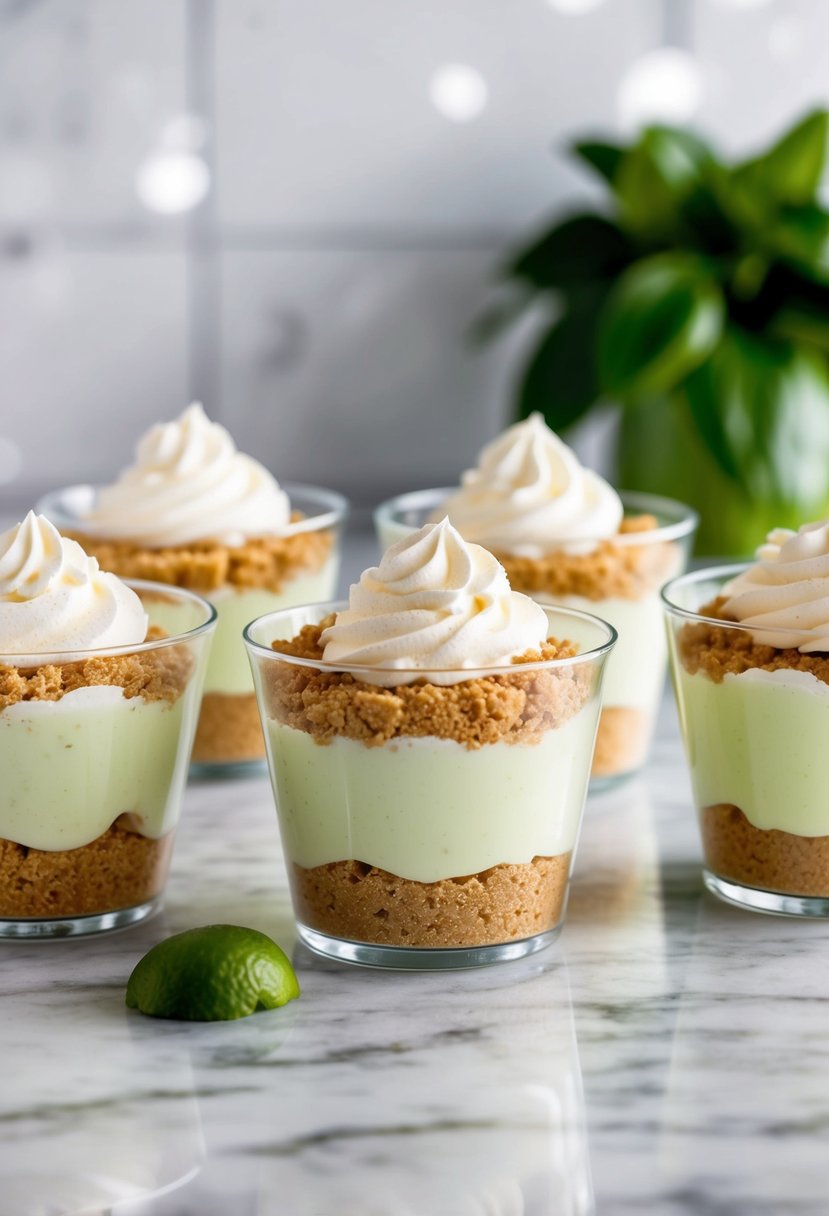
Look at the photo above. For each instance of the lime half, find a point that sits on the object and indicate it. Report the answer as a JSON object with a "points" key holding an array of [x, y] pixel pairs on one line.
{"points": [[214, 974]]}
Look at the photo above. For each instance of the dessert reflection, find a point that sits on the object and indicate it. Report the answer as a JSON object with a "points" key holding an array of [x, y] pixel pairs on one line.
{"points": [[466, 1102], [97, 1114]]}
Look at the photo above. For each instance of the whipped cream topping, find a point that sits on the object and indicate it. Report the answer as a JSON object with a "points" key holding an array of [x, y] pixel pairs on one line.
{"points": [[529, 496], [786, 593], [54, 598], [436, 604], [189, 482]]}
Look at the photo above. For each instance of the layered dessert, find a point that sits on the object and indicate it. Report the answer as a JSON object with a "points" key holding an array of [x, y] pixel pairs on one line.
{"points": [[430, 746], [93, 737], [193, 511], [562, 534], [752, 682]]}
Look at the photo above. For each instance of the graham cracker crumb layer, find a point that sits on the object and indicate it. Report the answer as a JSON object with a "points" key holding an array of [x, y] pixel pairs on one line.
{"points": [[719, 651], [120, 869], [154, 675], [229, 730], [352, 900], [769, 860], [514, 708], [625, 571], [621, 741], [264, 562]]}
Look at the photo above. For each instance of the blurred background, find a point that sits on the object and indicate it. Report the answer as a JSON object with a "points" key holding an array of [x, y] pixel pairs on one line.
{"points": [[293, 209]]}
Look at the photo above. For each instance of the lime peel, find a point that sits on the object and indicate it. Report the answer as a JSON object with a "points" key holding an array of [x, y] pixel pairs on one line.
{"points": [[213, 974]]}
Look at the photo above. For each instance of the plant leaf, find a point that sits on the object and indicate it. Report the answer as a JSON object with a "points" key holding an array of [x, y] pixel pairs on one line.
{"points": [[801, 235], [663, 318], [603, 158], [762, 409], [791, 171], [497, 315], [656, 180], [560, 380], [579, 248]]}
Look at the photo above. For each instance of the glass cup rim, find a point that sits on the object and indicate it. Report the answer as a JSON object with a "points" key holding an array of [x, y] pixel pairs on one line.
{"points": [[684, 522], [67, 655], [334, 507], [722, 573], [260, 650], [706, 574]]}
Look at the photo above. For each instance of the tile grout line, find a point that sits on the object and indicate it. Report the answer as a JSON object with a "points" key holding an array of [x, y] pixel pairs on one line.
{"points": [[203, 267]]}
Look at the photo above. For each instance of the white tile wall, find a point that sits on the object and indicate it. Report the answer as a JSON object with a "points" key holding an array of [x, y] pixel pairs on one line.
{"points": [[325, 120], [92, 349], [355, 370], [86, 88], [764, 65], [354, 226]]}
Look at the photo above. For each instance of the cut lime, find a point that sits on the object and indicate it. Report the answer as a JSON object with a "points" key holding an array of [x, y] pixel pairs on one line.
{"points": [[214, 974]]}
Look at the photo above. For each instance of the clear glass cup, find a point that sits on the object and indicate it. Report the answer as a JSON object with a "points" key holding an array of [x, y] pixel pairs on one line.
{"points": [[625, 592], [229, 737], [432, 824], [94, 757], [756, 745]]}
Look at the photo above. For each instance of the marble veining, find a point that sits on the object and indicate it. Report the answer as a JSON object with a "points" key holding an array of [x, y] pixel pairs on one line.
{"points": [[667, 1055]]}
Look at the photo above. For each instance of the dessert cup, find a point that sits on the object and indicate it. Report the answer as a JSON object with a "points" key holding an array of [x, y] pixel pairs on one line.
{"points": [[269, 573], [428, 824], [94, 751], [619, 580], [754, 722]]}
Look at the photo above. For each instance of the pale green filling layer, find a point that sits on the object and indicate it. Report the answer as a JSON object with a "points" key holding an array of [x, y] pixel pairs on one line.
{"points": [[228, 669], [760, 741], [635, 669], [428, 809], [71, 767]]}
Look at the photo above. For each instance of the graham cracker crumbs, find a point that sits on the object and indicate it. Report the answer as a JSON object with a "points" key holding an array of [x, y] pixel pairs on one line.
{"points": [[514, 708], [767, 859], [120, 869], [265, 562], [720, 651], [229, 729], [622, 740], [363, 903], [611, 570], [154, 675]]}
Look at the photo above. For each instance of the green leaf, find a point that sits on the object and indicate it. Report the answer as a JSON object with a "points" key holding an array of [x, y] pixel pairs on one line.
{"points": [[583, 247], [604, 158], [762, 409], [497, 315], [801, 235], [791, 171], [662, 319], [657, 179], [560, 380]]}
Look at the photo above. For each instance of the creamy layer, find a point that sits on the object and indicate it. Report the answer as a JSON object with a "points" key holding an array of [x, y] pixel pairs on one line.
{"points": [[635, 669], [189, 482], [758, 741], [71, 767], [228, 668], [436, 604], [429, 809]]}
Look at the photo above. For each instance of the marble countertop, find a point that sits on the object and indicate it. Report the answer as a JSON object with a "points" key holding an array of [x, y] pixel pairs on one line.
{"points": [[667, 1055]]}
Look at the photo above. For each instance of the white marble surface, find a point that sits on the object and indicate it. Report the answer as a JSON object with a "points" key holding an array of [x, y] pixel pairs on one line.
{"points": [[667, 1055]]}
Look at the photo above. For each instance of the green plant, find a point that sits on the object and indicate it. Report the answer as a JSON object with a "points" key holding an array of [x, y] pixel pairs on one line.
{"points": [[700, 304]]}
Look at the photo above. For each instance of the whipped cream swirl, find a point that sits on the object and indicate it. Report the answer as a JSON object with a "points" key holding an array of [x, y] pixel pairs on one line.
{"points": [[54, 598], [785, 595], [189, 483], [436, 604], [530, 496]]}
